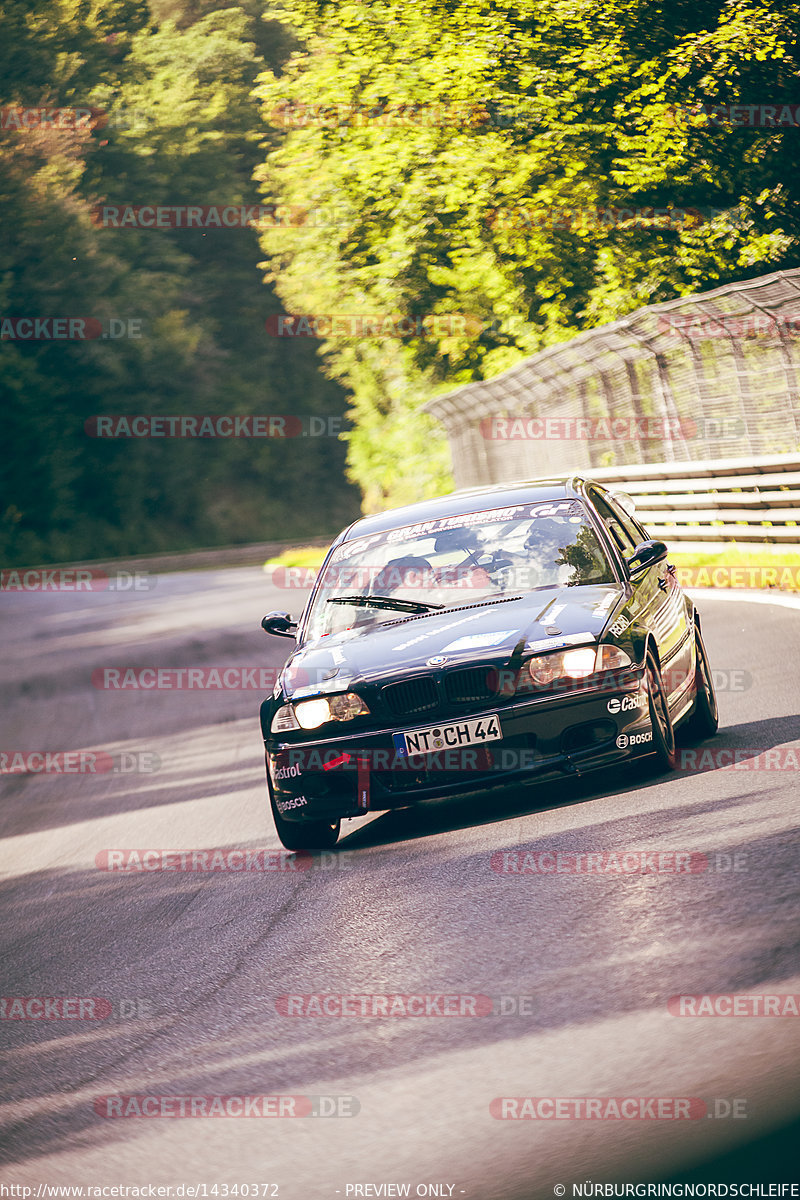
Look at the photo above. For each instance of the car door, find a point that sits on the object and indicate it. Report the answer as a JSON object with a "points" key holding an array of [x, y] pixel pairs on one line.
{"points": [[658, 602]]}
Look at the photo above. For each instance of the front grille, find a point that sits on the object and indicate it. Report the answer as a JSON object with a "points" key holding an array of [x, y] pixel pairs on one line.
{"points": [[412, 696], [471, 685]]}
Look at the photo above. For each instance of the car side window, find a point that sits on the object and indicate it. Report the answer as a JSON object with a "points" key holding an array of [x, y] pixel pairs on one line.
{"points": [[631, 526], [622, 538]]}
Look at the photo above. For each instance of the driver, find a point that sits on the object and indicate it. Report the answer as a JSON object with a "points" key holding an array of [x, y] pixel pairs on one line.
{"points": [[409, 571], [467, 573]]}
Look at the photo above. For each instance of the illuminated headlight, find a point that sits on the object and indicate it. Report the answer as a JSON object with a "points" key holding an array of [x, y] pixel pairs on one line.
{"points": [[313, 713], [580, 662], [284, 720], [576, 664], [572, 664]]}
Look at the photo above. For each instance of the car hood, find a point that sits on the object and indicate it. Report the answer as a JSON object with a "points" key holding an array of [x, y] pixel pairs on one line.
{"points": [[491, 632]]}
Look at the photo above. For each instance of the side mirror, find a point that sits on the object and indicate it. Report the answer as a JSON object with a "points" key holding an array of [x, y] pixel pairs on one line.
{"points": [[281, 624], [645, 555]]}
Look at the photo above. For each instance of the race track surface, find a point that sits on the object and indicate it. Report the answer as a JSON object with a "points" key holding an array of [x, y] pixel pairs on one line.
{"points": [[580, 966]]}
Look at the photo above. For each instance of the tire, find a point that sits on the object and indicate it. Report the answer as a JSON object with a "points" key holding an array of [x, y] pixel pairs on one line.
{"points": [[660, 720], [303, 835], [704, 721]]}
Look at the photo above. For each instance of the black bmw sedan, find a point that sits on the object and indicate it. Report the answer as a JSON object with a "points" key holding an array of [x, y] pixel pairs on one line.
{"points": [[504, 635]]}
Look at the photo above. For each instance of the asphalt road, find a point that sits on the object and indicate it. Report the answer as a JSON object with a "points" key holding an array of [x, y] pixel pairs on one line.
{"points": [[580, 967]]}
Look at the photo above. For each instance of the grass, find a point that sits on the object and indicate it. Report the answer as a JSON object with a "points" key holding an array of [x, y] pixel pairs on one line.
{"points": [[302, 556]]}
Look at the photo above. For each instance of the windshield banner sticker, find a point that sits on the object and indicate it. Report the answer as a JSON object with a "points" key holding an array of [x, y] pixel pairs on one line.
{"points": [[518, 512]]}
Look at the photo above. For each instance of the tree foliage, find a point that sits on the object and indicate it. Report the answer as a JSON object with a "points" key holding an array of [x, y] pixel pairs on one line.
{"points": [[180, 127], [530, 212], [490, 160]]}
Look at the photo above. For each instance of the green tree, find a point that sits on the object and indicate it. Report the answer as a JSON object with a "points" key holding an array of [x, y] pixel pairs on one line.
{"points": [[574, 110], [180, 127]]}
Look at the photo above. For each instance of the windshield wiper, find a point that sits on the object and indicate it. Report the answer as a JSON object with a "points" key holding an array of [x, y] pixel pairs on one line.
{"points": [[410, 606]]}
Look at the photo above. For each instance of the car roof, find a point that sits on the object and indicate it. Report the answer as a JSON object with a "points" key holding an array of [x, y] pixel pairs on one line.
{"points": [[467, 500]]}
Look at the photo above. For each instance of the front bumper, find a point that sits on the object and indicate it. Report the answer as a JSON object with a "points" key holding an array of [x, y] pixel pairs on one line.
{"points": [[543, 737]]}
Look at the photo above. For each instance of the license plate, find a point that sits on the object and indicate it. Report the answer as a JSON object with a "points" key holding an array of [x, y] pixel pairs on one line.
{"points": [[448, 737]]}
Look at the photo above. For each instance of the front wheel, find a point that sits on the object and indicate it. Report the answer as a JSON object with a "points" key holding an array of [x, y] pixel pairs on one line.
{"points": [[704, 721], [303, 835], [660, 720]]}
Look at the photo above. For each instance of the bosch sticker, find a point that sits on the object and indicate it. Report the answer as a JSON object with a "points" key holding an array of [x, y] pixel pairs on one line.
{"points": [[635, 739], [295, 802]]}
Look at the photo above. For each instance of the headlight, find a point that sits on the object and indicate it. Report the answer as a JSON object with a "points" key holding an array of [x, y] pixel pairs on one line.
{"points": [[576, 664], [571, 664], [346, 706], [313, 713], [544, 670]]}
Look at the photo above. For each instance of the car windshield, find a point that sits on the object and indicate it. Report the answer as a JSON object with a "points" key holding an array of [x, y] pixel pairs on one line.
{"points": [[459, 560]]}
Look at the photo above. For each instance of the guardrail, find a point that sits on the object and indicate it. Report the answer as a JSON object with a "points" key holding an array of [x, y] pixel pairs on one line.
{"points": [[698, 506], [705, 376], [251, 555]]}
